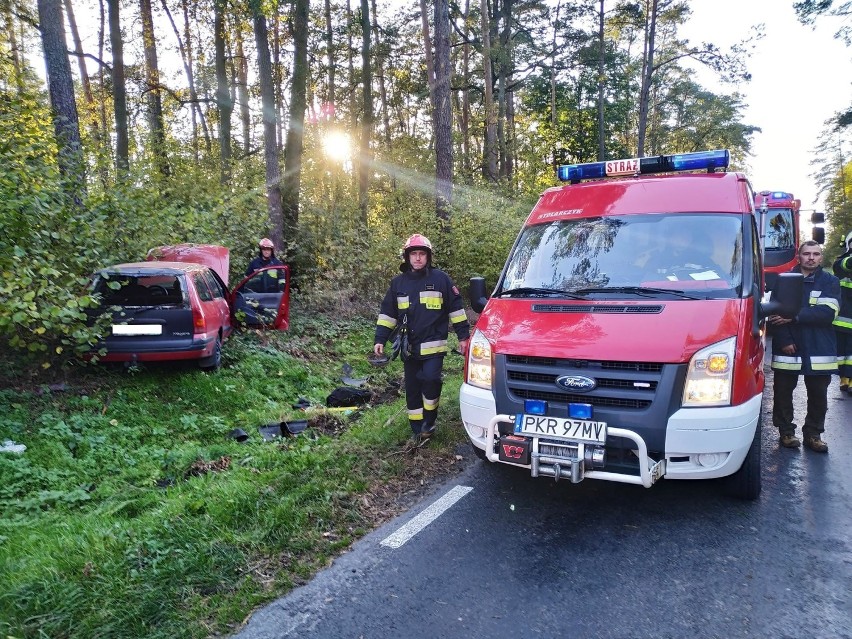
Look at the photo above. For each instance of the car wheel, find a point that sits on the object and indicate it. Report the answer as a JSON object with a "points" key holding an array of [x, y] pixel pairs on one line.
{"points": [[745, 483], [479, 452], [214, 361]]}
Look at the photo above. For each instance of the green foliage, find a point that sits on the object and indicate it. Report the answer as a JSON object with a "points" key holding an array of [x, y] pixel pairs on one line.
{"points": [[132, 513]]}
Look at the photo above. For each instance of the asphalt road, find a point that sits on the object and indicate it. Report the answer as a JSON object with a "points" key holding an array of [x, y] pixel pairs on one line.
{"points": [[514, 556]]}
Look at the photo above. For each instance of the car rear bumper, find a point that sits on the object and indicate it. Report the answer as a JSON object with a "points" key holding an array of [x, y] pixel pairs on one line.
{"points": [[127, 351]]}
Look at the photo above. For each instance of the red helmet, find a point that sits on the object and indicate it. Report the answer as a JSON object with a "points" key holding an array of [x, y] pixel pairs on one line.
{"points": [[417, 241], [266, 243]]}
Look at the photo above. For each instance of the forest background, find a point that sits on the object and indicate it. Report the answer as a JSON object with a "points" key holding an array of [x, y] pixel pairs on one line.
{"points": [[336, 128]]}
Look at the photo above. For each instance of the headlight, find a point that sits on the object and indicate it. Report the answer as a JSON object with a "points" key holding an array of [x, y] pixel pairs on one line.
{"points": [[711, 373], [479, 361]]}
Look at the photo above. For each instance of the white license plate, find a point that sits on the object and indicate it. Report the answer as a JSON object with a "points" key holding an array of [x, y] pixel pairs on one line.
{"points": [[578, 430], [137, 329]]}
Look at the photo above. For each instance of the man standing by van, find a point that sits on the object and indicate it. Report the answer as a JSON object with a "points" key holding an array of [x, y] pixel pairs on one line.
{"points": [[805, 345], [426, 301]]}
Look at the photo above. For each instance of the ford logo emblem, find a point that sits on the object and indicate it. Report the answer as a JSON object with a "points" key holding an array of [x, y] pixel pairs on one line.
{"points": [[576, 383]]}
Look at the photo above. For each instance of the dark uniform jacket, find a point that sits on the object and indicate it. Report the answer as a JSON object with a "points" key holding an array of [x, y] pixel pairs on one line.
{"points": [[811, 331], [843, 270], [429, 302], [259, 263]]}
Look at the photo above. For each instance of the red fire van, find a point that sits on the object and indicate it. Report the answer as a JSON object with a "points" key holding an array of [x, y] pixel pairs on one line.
{"points": [[624, 338]]}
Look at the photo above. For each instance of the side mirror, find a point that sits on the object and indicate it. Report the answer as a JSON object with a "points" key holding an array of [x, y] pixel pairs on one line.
{"points": [[478, 299], [786, 298], [819, 234], [817, 218]]}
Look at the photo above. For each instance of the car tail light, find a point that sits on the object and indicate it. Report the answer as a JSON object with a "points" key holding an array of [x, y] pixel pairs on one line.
{"points": [[199, 324]]}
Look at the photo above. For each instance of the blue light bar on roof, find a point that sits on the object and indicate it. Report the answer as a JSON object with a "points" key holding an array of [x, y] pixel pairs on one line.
{"points": [[701, 160]]}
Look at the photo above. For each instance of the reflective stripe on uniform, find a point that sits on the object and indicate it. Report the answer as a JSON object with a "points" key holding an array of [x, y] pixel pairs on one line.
{"points": [[431, 348], [430, 404], [831, 302], [824, 363], [386, 320], [402, 302], [415, 414], [843, 322], [432, 300], [458, 316], [786, 363]]}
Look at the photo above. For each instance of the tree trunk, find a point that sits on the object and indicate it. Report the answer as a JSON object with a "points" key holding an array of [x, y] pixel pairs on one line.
{"points": [[270, 122], [465, 106], [331, 52], [152, 80], [14, 52], [90, 113], [601, 53], [351, 63], [365, 160], [443, 112], [61, 88], [223, 93], [504, 90], [186, 57], [242, 91], [122, 138], [647, 74], [380, 65], [489, 151], [427, 49], [296, 128]]}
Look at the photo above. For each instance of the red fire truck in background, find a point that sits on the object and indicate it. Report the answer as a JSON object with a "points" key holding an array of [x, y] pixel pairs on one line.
{"points": [[781, 226]]}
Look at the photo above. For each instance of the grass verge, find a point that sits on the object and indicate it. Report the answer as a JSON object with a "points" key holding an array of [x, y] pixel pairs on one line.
{"points": [[133, 513]]}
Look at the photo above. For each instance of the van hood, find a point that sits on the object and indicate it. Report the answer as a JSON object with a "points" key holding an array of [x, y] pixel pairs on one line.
{"points": [[664, 331]]}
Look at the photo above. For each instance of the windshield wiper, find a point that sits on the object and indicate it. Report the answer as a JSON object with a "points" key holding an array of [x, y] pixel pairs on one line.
{"points": [[532, 291], [644, 291]]}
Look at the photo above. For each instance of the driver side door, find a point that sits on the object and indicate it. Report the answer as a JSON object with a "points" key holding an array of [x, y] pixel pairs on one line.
{"points": [[262, 299]]}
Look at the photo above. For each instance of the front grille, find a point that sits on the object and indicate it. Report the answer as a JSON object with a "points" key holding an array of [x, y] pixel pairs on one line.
{"points": [[628, 386], [564, 398]]}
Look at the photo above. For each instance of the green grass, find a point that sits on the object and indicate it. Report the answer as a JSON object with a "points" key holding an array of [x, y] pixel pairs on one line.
{"points": [[133, 514]]}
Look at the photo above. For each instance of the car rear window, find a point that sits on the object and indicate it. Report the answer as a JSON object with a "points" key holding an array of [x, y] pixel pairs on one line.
{"points": [[117, 289]]}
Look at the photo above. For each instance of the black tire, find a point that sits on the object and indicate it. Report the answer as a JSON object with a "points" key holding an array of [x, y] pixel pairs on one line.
{"points": [[214, 361], [478, 452], [745, 483]]}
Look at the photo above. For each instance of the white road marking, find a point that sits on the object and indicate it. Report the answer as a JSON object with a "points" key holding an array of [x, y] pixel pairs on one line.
{"points": [[425, 518]]}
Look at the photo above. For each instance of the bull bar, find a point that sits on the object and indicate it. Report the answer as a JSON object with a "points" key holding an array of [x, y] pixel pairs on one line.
{"points": [[649, 470]]}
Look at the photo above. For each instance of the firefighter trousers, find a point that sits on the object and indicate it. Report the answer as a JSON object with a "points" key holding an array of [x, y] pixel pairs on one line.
{"points": [[782, 407], [422, 391]]}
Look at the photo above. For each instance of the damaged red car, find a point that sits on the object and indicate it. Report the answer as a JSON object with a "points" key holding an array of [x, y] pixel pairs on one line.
{"points": [[176, 305]]}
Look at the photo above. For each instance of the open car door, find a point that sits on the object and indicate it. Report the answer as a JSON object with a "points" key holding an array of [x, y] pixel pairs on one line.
{"points": [[262, 300]]}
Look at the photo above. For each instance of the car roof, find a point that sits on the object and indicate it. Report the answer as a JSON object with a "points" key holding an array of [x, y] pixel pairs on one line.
{"points": [[676, 193]]}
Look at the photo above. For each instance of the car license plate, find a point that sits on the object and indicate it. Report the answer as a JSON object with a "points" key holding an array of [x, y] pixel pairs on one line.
{"points": [[137, 329], [578, 430]]}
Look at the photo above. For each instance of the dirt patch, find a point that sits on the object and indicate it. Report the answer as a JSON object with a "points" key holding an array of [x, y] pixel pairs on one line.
{"points": [[424, 470]]}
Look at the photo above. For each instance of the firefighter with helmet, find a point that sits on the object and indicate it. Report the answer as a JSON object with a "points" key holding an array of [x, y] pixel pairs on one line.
{"points": [[843, 322], [422, 302], [265, 257]]}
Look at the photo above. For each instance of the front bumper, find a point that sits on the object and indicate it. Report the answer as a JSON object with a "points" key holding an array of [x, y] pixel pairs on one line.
{"points": [[701, 443]]}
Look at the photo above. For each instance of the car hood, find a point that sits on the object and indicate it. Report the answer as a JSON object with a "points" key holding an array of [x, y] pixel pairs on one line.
{"points": [[211, 255], [663, 331]]}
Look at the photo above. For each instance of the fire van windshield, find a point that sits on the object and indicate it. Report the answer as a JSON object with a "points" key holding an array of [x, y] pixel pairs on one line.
{"points": [[688, 256]]}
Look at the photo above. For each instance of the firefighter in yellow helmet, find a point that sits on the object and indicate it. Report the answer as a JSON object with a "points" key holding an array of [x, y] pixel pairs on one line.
{"points": [[422, 302]]}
